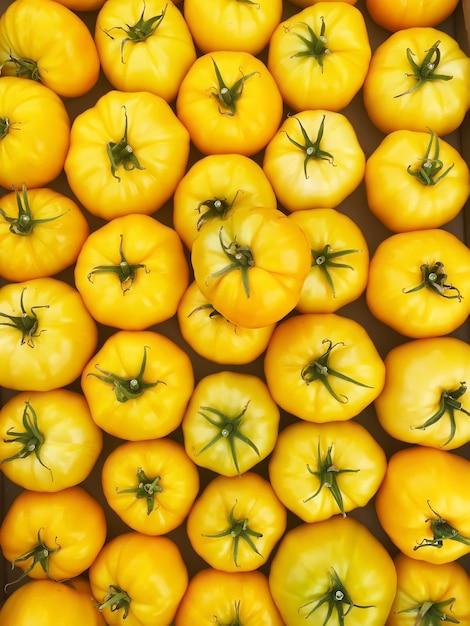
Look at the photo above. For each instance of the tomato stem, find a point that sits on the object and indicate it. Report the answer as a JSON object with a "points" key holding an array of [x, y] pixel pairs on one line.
{"points": [[236, 621], [323, 259], [441, 530], [146, 488], [432, 613], [427, 70], [311, 148], [121, 153], [315, 45], [24, 223], [39, 554], [216, 208], [241, 258], [429, 172], [116, 599], [24, 68], [434, 278], [227, 97], [27, 324]]}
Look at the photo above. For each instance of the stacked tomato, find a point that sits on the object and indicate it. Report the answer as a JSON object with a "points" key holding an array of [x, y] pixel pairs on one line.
{"points": [[233, 313]]}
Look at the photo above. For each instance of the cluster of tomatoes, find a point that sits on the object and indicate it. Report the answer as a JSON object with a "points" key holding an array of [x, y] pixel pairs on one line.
{"points": [[232, 313]]}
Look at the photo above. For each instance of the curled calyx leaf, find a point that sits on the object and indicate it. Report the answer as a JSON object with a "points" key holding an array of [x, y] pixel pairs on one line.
{"points": [[126, 272], [441, 531], [311, 149], [215, 208], [121, 153], [240, 257], [140, 31], [236, 605], [315, 45], [238, 529], [38, 554], [335, 599], [26, 323], [146, 488], [23, 224], [435, 278], [432, 613], [430, 169], [427, 70], [24, 68], [324, 260], [319, 370], [227, 97], [127, 388], [116, 599]]}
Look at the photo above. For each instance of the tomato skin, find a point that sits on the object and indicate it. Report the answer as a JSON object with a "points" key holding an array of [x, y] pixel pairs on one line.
{"points": [[339, 233], [45, 602], [403, 201], [419, 374], [214, 128], [232, 25], [82, 5], [304, 182], [150, 570], [424, 586], [218, 596], [155, 406], [293, 362], [51, 246], [175, 491], [426, 487], [398, 266], [248, 498], [215, 338], [70, 519], [281, 260], [307, 3], [55, 39], [394, 16], [158, 140], [156, 63], [71, 446], [303, 568], [320, 81], [303, 447], [232, 179], [232, 395], [35, 156], [53, 353], [158, 272], [437, 104]]}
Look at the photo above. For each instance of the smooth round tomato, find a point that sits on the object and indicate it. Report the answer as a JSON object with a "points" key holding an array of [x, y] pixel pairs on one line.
{"points": [[314, 161], [49, 441], [47, 42], [151, 485], [415, 180], [418, 79], [330, 569], [425, 399], [144, 46], [319, 56], [53, 535], [131, 272], [139, 579], [33, 157], [419, 283], [46, 334], [41, 233], [323, 367], [236, 522], [228, 598], [340, 260], [127, 153], [138, 385], [245, 25], [229, 102], [213, 187], [252, 265], [395, 16], [231, 422], [423, 506]]}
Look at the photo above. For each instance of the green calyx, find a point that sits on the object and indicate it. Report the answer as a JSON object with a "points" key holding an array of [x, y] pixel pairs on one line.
{"points": [[315, 45], [146, 488], [39, 554], [140, 31], [318, 370], [449, 403], [215, 208], [228, 429], [227, 97], [6, 126], [121, 153], [427, 71], [328, 473], [236, 619], [335, 598], [240, 257], [442, 531], [434, 278], [23, 224], [430, 171], [26, 323], [432, 613], [238, 529], [324, 260], [116, 599], [125, 271], [311, 148], [24, 68], [126, 389]]}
